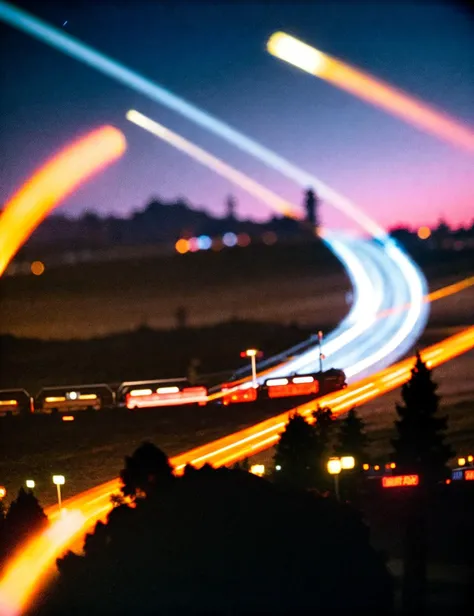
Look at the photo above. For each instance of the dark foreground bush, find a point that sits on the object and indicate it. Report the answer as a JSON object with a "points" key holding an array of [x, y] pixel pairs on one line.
{"points": [[224, 541]]}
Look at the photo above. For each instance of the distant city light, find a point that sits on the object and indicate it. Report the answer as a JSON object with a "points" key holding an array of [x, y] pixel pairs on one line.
{"points": [[258, 469], [243, 239], [217, 244], [193, 244], [3, 492], [204, 242], [424, 233], [182, 246], [67, 417], [269, 238], [37, 268], [278, 467], [229, 239], [30, 484], [366, 467], [461, 461]]}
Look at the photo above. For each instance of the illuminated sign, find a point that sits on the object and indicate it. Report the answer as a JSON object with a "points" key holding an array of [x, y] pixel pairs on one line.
{"points": [[457, 475], [469, 475], [398, 481]]}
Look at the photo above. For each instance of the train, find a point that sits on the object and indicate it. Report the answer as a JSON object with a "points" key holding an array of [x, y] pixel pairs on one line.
{"points": [[136, 395], [296, 386]]}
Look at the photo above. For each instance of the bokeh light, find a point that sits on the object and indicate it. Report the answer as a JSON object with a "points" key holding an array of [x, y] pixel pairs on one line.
{"points": [[193, 244], [182, 246], [229, 239], [269, 238], [424, 233], [243, 239], [204, 242], [37, 268]]}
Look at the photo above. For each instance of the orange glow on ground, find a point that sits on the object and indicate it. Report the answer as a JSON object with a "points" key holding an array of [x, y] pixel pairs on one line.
{"points": [[373, 90], [27, 571], [52, 183]]}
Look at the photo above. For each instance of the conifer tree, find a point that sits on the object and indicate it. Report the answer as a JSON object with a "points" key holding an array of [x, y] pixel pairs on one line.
{"points": [[352, 439], [419, 445]]}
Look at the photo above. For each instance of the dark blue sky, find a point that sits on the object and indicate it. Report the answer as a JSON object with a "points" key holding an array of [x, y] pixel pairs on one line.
{"points": [[214, 55]]}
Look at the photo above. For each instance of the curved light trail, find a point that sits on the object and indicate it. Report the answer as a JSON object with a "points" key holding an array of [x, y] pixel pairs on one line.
{"points": [[54, 181], [274, 201], [365, 86], [26, 573], [402, 282]]}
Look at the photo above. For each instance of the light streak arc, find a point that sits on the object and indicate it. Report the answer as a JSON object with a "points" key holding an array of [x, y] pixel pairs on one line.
{"points": [[71, 46], [273, 200], [373, 90], [52, 182]]}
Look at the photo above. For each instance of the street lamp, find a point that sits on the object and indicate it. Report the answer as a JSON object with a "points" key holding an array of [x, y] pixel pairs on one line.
{"points": [[252, 353], [3, 492], [30, 484], [347, 463], [321, 356], [334, 468], [59, 480]]}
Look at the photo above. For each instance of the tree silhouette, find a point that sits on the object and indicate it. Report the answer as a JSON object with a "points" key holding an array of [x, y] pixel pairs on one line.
{"points": [[352, 439], [324, 425], [223, 541], [419, 446], [24, 517], [146, 471], [298, 453]]}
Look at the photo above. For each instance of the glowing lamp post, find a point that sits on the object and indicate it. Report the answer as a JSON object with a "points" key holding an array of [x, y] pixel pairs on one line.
{"points": [[336, 465], [334, 468], [321, 356], [253, 354], [30, 484], [59, 480]]}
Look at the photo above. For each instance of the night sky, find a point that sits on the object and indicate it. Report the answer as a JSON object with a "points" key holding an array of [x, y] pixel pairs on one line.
{"points": [[214, 56]]}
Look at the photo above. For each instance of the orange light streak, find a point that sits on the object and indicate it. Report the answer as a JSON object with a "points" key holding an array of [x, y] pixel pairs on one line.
{"points": [[54, 181], [28, 570], [373, 90]]}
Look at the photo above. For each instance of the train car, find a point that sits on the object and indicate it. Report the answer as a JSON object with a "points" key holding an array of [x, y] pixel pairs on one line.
{"points": [[301, 386], [74, 398], [15, 402], [151, 394], [233, 394]]}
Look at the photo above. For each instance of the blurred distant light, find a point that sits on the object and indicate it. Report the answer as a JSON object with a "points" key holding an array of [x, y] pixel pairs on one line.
{"points": [[334, 466], [37, 268], [229, 239], [366, 467], [424, 233], [393, 465], [278, 467], [59, 480], [193, 244], [3, 492], [67, 417], [369, 88], [204, 242], [470, 459], [376, 467], [461, 461], [30, 484], [217, 244], [269, 238], [257, 469], [182, 246], [347, 462], [243, 239]]}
